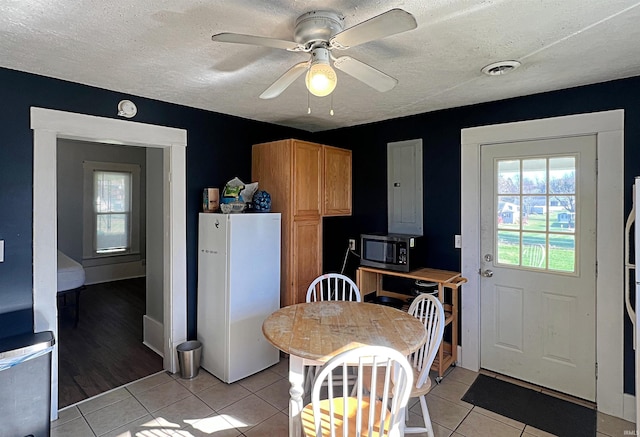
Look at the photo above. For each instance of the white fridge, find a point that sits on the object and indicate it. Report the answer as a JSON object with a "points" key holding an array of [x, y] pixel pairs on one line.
{"points": [[238, 288]]}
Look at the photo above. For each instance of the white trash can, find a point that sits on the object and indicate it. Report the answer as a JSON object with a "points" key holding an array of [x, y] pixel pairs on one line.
{"points": [[189, 354]]}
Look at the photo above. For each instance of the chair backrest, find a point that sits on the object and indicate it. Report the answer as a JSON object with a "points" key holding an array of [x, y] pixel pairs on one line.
{"points": [[429, 310], [333, 286], [342, 411]]}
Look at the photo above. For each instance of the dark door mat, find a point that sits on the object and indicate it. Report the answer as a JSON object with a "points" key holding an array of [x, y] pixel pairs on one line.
{"points": [[542, 411]]}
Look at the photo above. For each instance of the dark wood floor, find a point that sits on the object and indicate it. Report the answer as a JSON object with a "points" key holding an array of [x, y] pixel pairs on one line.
{"points": [[105, 350]]}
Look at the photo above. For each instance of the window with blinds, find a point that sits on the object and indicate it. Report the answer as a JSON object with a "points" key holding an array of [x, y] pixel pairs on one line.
{"points": [[111, 209]]}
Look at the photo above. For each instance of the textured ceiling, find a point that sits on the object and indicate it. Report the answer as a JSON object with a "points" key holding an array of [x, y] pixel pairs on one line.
{"points": [[162, 49]]}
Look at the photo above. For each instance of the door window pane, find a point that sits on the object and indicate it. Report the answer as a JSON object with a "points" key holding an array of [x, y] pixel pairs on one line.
{"points": [[508, 248], [564, 216], [534, 176], [534, 250], [508, 177], [536, 213], [562, 253], [508, 212]]}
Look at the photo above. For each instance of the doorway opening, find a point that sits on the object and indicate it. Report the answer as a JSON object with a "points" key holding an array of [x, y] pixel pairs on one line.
{"points": [[109, 200], [50, 125]]}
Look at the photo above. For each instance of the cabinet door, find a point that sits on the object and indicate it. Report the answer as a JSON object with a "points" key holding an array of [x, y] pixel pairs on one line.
{"points": [[307, 256], [307, 179], [337, 181]]}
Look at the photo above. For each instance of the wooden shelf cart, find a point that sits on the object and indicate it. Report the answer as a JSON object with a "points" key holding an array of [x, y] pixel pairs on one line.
{"points": [[369, 280]]}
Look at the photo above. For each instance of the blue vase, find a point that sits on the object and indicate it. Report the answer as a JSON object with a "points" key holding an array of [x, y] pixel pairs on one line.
{"points": [[262, 201]]}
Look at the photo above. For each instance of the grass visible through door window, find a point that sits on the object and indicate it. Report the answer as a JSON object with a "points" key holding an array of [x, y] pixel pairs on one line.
{"points": [[560, 249]]}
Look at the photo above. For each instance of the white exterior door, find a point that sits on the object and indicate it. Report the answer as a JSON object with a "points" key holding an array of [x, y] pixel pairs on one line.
{"points": [[538, 266]]}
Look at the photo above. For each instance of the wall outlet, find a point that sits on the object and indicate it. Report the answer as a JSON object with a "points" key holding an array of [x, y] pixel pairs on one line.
{"points": [[352, 244], [457, 241]]}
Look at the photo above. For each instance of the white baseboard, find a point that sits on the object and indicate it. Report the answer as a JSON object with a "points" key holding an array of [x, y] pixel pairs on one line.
{"points": [[460, 362], [629, 407], [153, 335], [113, 272]]}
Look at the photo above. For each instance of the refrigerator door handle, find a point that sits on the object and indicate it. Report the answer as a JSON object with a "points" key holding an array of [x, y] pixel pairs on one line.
{"points": [[628, 267]]}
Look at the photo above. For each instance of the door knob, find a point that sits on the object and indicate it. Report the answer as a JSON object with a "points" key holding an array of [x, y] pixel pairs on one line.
{"points": [[485, 273]]}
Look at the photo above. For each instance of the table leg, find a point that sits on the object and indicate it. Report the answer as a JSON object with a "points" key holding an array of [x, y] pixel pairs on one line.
{"points": [[296, 378]]}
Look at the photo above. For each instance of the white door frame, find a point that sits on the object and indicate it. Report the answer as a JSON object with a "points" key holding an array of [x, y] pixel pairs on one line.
{"points": [[49, 125], [608, 126]]}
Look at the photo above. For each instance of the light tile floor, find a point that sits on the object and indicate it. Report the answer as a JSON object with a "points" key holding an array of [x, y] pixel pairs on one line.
{"points": [[166, 405]]}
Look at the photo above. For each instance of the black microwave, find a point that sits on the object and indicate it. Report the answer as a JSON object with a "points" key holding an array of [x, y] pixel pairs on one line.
{"points": [[388, 251]]}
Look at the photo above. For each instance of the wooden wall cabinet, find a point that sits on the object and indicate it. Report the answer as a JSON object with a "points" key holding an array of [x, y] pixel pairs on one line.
{"points": [[306, 181], [337, 181]]}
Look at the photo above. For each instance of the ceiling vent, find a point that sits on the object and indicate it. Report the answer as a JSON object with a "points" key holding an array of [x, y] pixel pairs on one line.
{"points": [[500, 68]]}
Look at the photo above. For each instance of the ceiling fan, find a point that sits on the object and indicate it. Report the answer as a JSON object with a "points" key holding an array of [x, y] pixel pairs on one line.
{"points": [[321, 32]]}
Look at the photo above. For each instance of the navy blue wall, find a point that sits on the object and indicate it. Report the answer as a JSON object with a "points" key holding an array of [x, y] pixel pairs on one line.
{"points": [[440, 132], [219, 148]]}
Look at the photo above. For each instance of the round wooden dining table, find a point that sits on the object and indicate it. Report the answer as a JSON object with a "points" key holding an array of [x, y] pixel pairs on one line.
{"points": [[312, 333]]}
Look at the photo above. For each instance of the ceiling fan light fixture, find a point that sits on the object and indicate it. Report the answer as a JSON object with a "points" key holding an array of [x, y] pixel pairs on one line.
{"points": [[320, 32], [321, 78]]}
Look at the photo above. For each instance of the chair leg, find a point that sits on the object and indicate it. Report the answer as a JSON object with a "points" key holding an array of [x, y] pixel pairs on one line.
{"points": [[308, 379], [406, 414], [428, 427], [425, 416]]}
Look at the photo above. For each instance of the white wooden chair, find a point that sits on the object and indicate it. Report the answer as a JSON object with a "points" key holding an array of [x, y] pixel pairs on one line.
{"points": [[333, 286], [430, 311], [330, 286], [341, 412]]}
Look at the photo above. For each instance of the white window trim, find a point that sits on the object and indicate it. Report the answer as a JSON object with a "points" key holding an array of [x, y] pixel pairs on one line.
{"points": [[89, 229]]}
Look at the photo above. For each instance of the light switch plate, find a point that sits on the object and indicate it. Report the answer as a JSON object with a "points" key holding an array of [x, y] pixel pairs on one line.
{"points": [[1, 251], [458, 241]]}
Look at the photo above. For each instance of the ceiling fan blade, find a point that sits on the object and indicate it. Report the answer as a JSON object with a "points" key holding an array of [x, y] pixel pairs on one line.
{"points": [[284, 81], [381, 26], [240, 38], [376, 79]]}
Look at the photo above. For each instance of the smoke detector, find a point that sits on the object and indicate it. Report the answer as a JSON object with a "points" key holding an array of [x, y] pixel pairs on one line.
{"points": [[500, 68]]}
